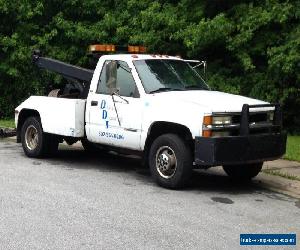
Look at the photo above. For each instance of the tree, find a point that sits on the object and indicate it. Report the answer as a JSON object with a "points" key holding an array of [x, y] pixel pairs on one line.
{"points": [[252, 47]]}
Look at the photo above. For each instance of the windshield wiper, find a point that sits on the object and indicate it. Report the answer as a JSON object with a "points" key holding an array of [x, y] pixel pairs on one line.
{"points": [[127, 69], [164, 89]]}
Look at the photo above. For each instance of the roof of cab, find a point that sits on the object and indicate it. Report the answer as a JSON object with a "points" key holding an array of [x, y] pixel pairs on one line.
{"points": [[135, 57]]}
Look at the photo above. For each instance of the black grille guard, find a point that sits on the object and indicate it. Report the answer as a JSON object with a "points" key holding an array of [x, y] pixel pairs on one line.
{"points": [[244, 124]]}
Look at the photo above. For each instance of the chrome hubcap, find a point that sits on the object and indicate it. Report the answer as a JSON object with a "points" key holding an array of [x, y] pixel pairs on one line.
{"points": [[166, 163], [31, 137]]}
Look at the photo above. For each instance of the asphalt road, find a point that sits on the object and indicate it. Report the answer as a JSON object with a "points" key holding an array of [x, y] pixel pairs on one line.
{"points": [[78, 201]]}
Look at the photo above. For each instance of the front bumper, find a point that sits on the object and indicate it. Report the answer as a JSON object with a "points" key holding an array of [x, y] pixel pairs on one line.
{"points": [[214, 151]]}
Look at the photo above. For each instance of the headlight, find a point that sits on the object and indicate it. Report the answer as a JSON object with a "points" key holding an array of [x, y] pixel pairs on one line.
{"points": [[215, 126], [210, 120], [221, 120]]}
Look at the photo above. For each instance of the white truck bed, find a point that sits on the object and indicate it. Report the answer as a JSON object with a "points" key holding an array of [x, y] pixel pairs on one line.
{"points": [[60, 116]]}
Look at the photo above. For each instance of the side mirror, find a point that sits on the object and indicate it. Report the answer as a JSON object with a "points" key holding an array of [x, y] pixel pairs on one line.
{"points": [[111, 76], [204, 64]]}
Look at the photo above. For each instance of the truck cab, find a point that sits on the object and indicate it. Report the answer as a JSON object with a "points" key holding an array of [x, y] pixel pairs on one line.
{"points": [[161, 108]]}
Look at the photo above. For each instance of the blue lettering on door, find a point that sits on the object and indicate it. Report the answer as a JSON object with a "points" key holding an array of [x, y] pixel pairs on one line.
{"points": [[104, 112], [105, 118], [103, 104]]}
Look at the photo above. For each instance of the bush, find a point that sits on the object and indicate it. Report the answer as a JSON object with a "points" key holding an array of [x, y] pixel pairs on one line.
{"points": [[252, 47]]}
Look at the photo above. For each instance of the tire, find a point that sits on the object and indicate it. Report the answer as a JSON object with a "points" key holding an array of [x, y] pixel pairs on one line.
{"points": [[170, 161], [243, 172], [35, 142]]}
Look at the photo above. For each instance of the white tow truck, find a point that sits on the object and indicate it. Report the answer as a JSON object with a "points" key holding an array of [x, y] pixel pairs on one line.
{"points": [[156, 106]]}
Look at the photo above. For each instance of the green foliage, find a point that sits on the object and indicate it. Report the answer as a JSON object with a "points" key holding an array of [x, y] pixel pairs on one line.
{"points": [[7, 123], [293, 148], [252, 47]]}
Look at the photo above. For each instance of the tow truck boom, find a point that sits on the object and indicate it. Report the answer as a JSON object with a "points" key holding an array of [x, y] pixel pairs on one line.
{"points": [[67, 70]]}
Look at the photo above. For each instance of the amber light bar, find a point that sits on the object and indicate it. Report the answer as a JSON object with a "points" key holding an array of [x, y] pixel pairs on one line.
{"points": [[102, 48], [136, 49], [113, 48]]}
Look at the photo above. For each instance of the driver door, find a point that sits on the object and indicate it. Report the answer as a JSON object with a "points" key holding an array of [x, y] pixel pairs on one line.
{"points": [[115, 111]]}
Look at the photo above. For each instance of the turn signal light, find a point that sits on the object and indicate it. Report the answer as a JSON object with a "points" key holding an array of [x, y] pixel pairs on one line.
{"points": [[206, 133], [207, 120]]}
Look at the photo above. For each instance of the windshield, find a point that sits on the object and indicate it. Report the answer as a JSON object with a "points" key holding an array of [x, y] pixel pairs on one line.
{"points": [[168, 75]]}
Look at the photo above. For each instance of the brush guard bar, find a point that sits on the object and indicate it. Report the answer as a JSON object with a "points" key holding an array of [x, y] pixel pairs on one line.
{"points": [[246, 147]]}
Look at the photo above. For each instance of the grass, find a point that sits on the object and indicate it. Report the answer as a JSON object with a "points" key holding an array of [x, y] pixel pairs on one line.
{"points": [[7, 123], [293, 148], [281, 174]]}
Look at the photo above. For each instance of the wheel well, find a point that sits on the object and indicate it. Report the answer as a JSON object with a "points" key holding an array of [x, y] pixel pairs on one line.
{"points": [[24, 114], [159, 128]]}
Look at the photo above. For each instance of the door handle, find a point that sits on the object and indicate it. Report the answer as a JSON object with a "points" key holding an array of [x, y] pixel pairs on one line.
{"points": [[94, 103], [130, 129]]}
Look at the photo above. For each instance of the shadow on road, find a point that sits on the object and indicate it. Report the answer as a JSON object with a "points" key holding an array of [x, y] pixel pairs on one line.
{"points": [[211, 180], [201, 180]]}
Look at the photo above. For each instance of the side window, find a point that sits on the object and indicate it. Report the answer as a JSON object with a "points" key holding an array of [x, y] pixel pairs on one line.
{"points": [[122, 82], [102, 87]]}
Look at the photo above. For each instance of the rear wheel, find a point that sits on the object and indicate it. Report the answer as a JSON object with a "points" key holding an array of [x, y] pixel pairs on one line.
{"points": [[35, 142], [170, 161], [243, 172]]}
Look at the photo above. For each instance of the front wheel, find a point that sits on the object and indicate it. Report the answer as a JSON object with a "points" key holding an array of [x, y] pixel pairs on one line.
{"points": [[170, 161], [243, 172]]}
